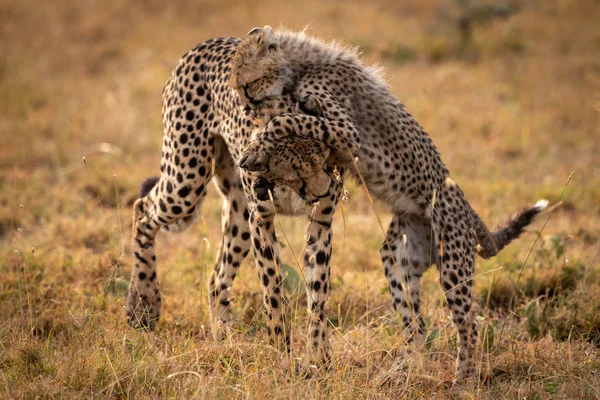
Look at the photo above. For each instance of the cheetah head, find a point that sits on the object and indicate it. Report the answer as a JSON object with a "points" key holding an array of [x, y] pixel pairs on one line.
{"points": [[259, 69], [293, 161]]}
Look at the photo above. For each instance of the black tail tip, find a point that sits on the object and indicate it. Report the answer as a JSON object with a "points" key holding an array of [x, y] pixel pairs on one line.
{"points": [[147, 185]]}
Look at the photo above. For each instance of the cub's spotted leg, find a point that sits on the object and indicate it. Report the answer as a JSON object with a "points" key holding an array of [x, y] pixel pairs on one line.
{"points": [[317, 268], [235, 243], [266, 255], [406, 254], [454, 230], [185, 171]]}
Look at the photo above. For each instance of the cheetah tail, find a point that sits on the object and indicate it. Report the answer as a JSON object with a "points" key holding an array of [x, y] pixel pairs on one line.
{"points": [[147, 185], [511, 230]]}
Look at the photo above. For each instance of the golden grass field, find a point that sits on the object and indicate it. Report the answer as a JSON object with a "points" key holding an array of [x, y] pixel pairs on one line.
{"points": [[514, 113]]}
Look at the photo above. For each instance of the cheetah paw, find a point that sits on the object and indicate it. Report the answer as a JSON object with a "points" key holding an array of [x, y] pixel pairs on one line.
{"points": [[142, 312]]}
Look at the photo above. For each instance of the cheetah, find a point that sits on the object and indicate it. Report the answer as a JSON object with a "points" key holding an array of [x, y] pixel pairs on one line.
{"points": [[298, 162], [382, 146], [206, 127]]}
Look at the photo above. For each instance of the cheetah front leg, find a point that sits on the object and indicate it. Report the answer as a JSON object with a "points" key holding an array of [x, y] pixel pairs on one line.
{"points": [[235, 243], [266, 255], [317, 269]]}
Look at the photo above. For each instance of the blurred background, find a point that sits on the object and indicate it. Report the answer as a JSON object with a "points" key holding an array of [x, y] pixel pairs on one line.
{"points": [[508, 90]]}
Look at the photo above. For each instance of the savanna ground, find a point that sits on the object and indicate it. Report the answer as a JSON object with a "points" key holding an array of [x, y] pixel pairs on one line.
{"points": [[514, 110]]}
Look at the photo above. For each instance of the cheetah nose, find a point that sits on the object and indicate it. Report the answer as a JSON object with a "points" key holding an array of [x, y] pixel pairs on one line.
{"points": [[250, 162]]}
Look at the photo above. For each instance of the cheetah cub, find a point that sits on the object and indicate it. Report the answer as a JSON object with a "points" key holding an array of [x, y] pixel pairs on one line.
{"points": [[382, 145]]}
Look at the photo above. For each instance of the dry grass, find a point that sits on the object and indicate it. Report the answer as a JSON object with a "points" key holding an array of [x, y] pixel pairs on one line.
{"points": [[83, 80]]}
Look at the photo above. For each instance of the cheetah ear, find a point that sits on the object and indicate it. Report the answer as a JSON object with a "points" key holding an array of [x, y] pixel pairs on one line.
{"points": [[268, 32], [258, 32], [269, 40], [265, 38], [256, 36]]}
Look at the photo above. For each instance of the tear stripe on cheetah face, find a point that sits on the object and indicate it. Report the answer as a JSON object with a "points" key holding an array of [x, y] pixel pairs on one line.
{"points": [[398, 162]]}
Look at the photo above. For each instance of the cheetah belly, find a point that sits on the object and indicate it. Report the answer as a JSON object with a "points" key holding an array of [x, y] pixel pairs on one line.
{"points": [[399, 203], [382, 190]]}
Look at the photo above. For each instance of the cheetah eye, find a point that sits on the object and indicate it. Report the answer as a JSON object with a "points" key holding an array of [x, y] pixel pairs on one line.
{"points": [[273, 47]]}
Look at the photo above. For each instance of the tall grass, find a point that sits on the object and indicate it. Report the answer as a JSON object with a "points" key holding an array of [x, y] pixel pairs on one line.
{"points": [[82, 81]]}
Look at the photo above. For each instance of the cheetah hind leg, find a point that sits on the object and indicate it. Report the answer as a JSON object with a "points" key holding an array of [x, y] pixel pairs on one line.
{"points": [[407, 254], [143, 304], [456, 263], [158, 209], [143, 297]]}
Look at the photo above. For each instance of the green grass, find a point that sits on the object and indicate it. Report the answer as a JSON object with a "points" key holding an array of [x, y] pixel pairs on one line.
{"points": [[512, 117]]}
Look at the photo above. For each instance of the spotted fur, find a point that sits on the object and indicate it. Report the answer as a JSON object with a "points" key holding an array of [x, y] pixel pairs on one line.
{"points": [[206, 127], [374, 137]]}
